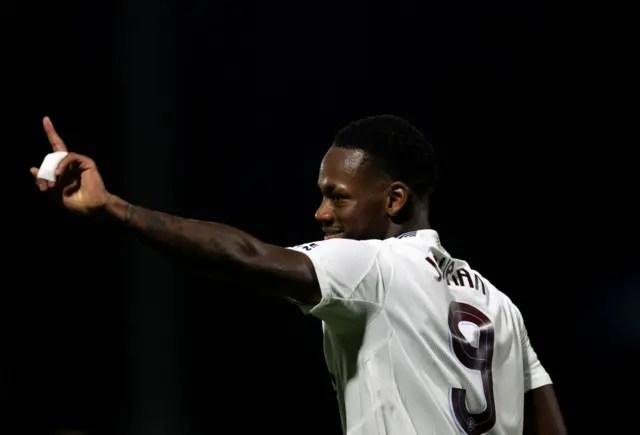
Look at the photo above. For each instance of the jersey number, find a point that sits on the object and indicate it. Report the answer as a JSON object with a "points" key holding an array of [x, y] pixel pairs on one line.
{"points": [[474, 358]]}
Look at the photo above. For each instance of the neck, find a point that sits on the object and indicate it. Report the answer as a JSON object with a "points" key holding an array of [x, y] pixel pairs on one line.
{"points": [[418, 221]]}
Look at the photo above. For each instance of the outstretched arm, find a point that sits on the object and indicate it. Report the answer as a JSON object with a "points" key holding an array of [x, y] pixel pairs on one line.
{"points": [[218, 249], [222, 250]]}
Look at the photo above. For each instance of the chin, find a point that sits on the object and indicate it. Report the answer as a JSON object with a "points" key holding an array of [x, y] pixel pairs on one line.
{"points": [[334, 236]]}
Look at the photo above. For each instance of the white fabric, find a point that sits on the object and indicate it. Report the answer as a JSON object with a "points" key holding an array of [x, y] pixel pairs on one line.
{"points": [[396, 355], [49, 165]]}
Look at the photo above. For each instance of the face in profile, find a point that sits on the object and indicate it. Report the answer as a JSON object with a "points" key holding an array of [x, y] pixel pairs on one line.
{"points": [[354, 204]]}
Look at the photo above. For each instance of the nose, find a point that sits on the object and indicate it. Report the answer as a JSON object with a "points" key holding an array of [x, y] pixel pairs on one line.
{"points": [[324, 214]]}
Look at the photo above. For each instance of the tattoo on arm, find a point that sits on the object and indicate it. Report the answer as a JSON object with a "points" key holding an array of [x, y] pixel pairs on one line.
{"points": [[220, 250], [190, 238]]}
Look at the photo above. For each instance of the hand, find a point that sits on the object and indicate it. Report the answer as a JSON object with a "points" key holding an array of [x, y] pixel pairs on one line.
{"points": [[78, 182]]}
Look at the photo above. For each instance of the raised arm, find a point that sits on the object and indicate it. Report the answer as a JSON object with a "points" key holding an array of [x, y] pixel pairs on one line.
{"points": [[222, 249], [217, 248]]}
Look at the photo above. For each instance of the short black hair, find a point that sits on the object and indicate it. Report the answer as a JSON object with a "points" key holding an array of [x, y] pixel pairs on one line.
{"points": [[396, 147]]}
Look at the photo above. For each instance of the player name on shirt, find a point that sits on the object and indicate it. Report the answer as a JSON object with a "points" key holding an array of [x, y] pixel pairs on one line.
{"points": [[457, 276]]}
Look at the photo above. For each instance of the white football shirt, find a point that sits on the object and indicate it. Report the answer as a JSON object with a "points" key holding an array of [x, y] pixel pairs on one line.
{"points": [[419, 343]]}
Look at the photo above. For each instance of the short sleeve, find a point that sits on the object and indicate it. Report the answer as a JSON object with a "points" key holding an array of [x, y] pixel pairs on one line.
{"points": [[348, 274], [535, 375]]}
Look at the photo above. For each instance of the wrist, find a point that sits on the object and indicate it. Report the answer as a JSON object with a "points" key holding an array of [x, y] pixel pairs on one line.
{"points": [[114, 207]]}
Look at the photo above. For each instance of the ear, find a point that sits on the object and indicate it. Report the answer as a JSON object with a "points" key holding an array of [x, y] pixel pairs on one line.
{"points": [[397, 198]]}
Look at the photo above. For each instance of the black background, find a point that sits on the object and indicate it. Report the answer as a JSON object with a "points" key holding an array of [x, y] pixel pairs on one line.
{"points": [[222, 111]]}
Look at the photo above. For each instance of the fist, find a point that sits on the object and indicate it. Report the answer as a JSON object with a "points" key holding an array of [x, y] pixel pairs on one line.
{"points": [[78, 183]]}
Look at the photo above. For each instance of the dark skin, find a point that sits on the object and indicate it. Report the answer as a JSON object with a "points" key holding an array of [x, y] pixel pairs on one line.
{"points": [[358, 203], [542, 415]]}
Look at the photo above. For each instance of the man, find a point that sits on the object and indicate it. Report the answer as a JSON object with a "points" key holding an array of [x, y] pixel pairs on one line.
{"points": [[418, 342]]}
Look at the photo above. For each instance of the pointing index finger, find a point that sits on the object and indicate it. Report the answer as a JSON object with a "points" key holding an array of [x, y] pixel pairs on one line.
{"points": [[55, 140]]}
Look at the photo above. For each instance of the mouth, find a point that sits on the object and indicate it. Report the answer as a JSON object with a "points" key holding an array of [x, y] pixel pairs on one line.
{"points": [[333, 235]]}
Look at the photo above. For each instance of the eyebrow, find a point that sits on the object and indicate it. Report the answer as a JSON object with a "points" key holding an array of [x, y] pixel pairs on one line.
{"points": [[330, 187]]}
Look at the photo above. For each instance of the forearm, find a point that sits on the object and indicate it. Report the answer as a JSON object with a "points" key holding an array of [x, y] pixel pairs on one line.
{"points": [[206, 243], [221, 251]]}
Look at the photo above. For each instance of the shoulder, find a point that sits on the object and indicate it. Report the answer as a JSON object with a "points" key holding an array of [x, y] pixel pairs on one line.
{"points": [[341, 251], [356, 269], [343, 268], [510, 309], [338, 244], [342, 254]]}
